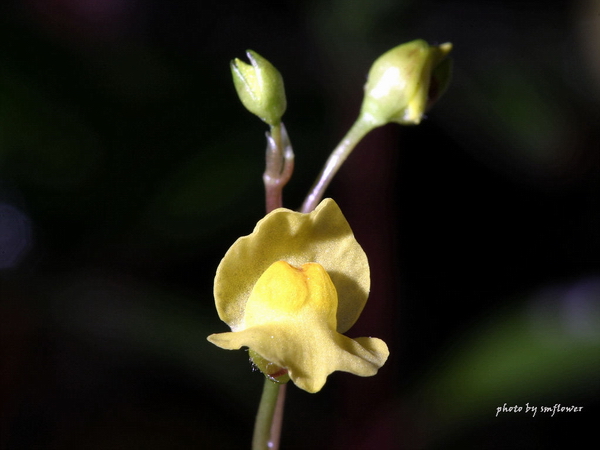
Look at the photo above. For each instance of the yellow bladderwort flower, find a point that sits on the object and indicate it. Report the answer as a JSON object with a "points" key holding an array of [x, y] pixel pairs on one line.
{"points": [[289, 290], [404, 82]]}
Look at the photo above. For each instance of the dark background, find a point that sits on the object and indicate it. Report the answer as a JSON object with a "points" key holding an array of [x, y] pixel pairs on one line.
{"points": [[128, 167]]}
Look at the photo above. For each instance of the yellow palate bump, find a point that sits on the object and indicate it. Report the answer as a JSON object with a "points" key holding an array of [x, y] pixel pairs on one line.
{"points": [[284, 291]]}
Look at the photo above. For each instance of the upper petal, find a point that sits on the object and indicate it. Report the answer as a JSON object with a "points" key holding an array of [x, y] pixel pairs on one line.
{"points": [[322, 236]]}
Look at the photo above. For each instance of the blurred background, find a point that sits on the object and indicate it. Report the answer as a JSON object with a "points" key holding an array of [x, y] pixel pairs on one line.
{"points": [[128, 167]]}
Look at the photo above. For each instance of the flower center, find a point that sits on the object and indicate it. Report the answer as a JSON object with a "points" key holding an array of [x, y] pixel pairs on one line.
{"points": [[284, 292]]}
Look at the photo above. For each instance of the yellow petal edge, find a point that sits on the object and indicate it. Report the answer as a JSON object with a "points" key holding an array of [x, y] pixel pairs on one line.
{"points": [[290, 320]]}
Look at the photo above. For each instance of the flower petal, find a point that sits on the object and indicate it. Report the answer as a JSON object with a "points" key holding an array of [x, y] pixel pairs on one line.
{"points": [[290, 321], [308, 354], [322, 236]]}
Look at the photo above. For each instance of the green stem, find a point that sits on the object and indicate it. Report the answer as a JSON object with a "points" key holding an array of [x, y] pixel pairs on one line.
{"points": [[267, 428], [360, 128]]}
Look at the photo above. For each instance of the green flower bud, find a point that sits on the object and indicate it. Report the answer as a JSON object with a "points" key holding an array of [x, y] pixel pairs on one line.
{"points": [[260, 87], [404, 82]]}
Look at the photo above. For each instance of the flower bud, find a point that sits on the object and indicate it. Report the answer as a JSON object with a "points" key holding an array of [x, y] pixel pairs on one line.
{"points": [[404, 82], [260, 87]]}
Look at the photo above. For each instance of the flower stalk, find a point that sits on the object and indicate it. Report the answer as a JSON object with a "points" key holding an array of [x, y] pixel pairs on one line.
{"points": [[358, 131], [279, 166], [267, 428]]}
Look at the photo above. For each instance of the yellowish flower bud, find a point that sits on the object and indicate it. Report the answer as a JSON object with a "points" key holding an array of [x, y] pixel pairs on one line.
{"points": [[260, 87], [404, 82]]}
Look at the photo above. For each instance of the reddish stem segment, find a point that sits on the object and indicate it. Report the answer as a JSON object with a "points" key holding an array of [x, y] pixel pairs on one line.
{"points": [[279, 166]]}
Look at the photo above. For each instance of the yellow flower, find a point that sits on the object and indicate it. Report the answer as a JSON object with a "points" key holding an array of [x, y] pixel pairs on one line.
{"points": [[289, 290]]}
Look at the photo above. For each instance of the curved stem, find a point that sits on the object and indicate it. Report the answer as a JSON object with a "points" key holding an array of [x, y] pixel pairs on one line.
{"points": [[336, 159], [279, 166], [267, 428]]}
